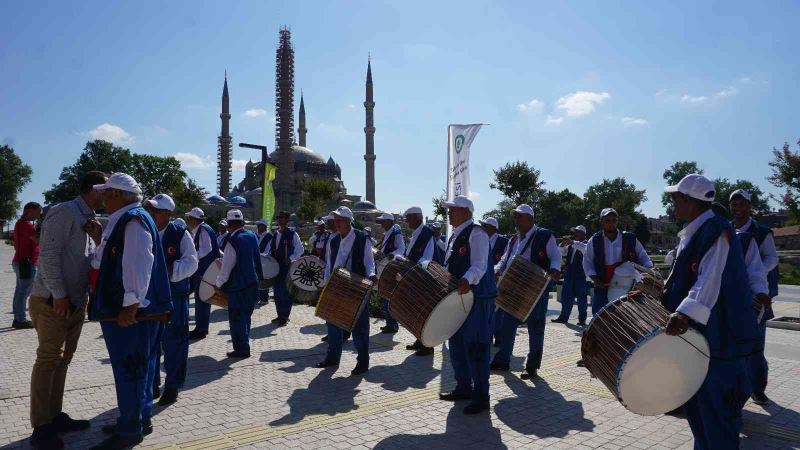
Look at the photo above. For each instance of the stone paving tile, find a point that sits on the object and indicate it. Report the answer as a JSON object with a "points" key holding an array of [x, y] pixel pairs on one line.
{"points": [[276, 399]]}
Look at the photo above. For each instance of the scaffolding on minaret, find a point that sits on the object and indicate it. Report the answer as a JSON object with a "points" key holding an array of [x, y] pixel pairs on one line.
{"points": [[224, 146], [369, 133], [284, 117]]}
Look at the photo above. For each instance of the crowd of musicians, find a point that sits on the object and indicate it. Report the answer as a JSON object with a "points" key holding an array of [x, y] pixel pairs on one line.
{"points": [[144, 265]]}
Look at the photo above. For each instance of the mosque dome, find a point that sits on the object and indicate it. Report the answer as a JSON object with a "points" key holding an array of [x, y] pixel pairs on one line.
{"points": [[301, 154], [364, 206], [237, 200], [215, 199]]}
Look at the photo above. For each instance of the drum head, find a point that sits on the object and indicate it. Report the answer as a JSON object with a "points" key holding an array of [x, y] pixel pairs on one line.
{"points": [[663, 372], [446, 318], [269, 267], [206, 290], [306, 274], [381, 265]]}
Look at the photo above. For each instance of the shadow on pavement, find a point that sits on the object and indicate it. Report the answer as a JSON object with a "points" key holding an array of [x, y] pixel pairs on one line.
{"points": [[539, 410], [415, 372], [325, 395], [461, 432], [318, 328], [301, 358]]}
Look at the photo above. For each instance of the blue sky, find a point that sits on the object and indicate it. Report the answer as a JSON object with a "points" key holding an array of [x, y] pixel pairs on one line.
{"points": [[581, 90]]}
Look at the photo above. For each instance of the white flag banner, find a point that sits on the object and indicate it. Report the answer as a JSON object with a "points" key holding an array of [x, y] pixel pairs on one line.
{"points": [[459, 140]]}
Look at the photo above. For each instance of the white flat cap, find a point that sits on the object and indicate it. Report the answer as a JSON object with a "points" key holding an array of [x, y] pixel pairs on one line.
{"points": [[742, 193], [436, 225], [579, 228], [413, 210], [223, 222], [460, 202], [524, 209], [385, 216], [262, 222], [328, 217], [120, 181], [695, 186], [234, 214], [607, 211], [368, 229], [344, 211], [196, 213], [162, 201], [180, 222], [491, 221]]}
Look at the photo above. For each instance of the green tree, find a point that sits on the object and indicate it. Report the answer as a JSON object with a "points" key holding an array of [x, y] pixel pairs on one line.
{"points": [[97, 155], [560, 211], [14, 175], [519, 182], [641, 228], [786, 174], [187, 196], [157, 174], [618, 194], [724, 188], [316, 195], [502, 213], [673, 175], [439, 210]]}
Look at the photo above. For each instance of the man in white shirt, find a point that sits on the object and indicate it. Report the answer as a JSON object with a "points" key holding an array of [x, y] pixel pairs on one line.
{"points": [[393, 244], [741, 207], [131, 282], [264, 239], [607, 249], [539, 246], [222, 232], [708, 289], [349, 249], [286, 248], [574, 286], [238, 278], [208, 250], [440, 242], [181, 259], [497, 246], [319, 240]]}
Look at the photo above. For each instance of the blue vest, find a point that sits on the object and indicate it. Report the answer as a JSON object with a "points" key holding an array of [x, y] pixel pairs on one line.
{"points": [[107, 299], [760, 232], [731, 329], [389, 239], [499, 248], [356, 252], [599, 247], [205, 261], [438, 253], [247, 270], [416, 251], [746, 239], [322, 236], [459, 263], [574, 267], [171, 242], [282, 247], [265, 240]]}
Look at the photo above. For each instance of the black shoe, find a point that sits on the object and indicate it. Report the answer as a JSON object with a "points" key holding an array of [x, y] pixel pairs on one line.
{"points": [[324, 338], [326, 363], [359, 369], [760, 399], [156, 392], [498, 367], [118, 441], [346, 336], [424, 351], [46, 437], [417, 345], [239, 355], [529, 374], [282, 322], [581, 323], [170, 396], [558, 320], [476, 408], [389, 330], [23, 325], [454, 396], [62, 423], [580, 363], [275, 320], [196, 334], [147, 428]]}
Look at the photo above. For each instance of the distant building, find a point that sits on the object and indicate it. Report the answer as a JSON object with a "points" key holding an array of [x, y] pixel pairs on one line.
{"points": [[787, 238], [663, 233]]}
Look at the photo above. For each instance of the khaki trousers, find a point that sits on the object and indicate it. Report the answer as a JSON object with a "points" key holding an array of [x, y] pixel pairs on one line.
{"points": [[58, 340]]}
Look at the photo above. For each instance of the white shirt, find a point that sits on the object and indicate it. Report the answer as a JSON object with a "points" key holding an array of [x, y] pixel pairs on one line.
{"points": [[441, 244], [220, 238], [296, 243], [577, 246], [492, 241], [670, 258], [613, 253], [553, 252], [317, 241], [756, 274], [261, 237], [204, 247], [186, 266], [427, 254], [703, 294], [399, 242], [478, 251], [769, 255], [343, 256], [137, 257], [228, 262]]}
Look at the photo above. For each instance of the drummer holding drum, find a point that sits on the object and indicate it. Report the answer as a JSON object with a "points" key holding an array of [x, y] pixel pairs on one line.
{"points": [[539, 246], [264, 239], [708, 290], [392, 244], [285, 247]]}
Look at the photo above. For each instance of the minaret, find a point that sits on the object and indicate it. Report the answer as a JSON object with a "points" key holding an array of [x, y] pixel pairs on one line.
{"points": [[301, 131], [369, 131], [284, 119], [224, 149]]}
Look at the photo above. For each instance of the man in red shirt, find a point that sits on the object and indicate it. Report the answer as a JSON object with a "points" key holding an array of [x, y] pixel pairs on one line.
{"points": [[26, 256]]}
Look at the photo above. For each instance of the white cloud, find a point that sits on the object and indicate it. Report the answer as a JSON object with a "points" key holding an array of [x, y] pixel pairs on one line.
{"points": [[193, 161], [474, 195], [633, 121], [257, 112], [110, 133], [693, 99], [725, 93], [534, 105], [553, 120], [581, 103], [238, 164]]}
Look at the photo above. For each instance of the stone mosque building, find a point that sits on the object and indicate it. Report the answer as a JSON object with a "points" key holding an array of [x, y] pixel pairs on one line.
{"points": [[295, 162]]}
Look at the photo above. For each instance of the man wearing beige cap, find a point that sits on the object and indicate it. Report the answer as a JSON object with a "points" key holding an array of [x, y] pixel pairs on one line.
{"points": [[208, 250]]}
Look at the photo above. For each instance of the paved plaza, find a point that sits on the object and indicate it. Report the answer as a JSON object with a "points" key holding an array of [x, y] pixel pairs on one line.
{"points": [[277, 399]]}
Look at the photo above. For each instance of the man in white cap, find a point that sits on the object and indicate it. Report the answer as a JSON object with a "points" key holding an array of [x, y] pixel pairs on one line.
{"points": [[286, 247], [539, 246], [440, 241], [741, 208], [708, 289], [469, 260], [222, 232], [605, 251], [349, 249], [574, 286], [372, 240], [392, 244], [497, 247], [130, 281], [264, 239], [319, 240], [421, 248], [205, 242], [181, 259], [238, 278]]}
